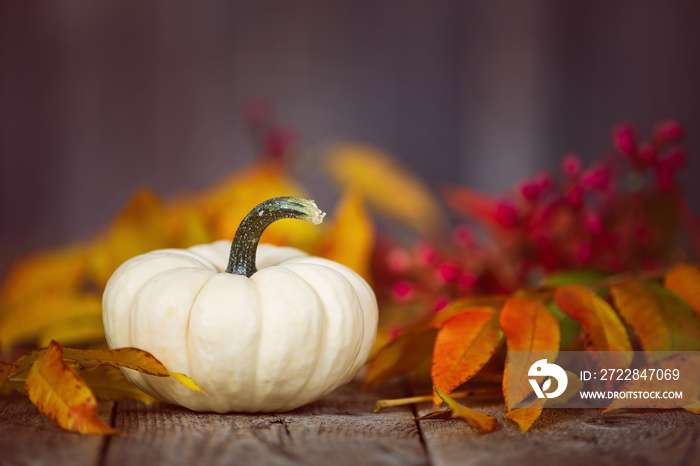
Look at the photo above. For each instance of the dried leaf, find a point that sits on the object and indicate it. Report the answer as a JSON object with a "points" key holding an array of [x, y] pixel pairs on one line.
{"points": [[108, 383], [389, 188], [476, 419], [5, 370], [661, 321], [464, 344], [139, 227], [693, 408], [684, 280], [52, 271], [350, 238], [527, 326], [130, 358], [62, 396], [603, 329], [35, 318], [527, 416], [401, 356]]}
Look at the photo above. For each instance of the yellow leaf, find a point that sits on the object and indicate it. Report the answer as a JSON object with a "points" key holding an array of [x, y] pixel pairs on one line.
{"points": [[108, 383], [684, 280], [693, 408], [475, 418], [62, 396], [53, 271], [400, 356], [35, 318], [527, 416], [351, 236], [661, 321], [602, 327], [186, 225], [130, 358], [389, 188], [5, 370], [139, 227]]}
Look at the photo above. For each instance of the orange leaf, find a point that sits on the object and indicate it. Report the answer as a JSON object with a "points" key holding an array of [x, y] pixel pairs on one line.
{"points": [[602, 327], [661, 321], [351, 237], [525, 417], [475, 418], [684, 280], [386, 185], [400, 356], [527, 326], [464, 344], [62, 396]]}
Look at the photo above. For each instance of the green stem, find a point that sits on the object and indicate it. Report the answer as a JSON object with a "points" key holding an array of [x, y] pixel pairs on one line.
{"points": [[245, 242]]}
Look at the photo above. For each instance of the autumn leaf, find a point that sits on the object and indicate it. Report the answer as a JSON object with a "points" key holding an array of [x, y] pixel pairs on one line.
{"points": [[130, 358], [62, 396], [661, 321], [350, 239], [108, 383], [35, 319], [401, 356], [464, 344], [43, 272], [684, 281], [528, 326], [475, 418], [603, 329], [138, 227], [389, 188], [5, 370], [525, 417], [693, 408]]}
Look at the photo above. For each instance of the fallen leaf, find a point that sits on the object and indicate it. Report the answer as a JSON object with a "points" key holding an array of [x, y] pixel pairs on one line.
{"points": [[108, 383], [5, 370], [138, 227], [350, 238], [603, 329], [433, 415], [475, 418], [389, 188], [528, 326], [401, 356], [130, 358], [693, 408], [464, 344], [684, 281], [62, 396], [525, 417], [661, 321]]}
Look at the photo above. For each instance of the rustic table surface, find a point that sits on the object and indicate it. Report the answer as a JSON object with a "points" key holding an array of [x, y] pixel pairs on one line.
{"points": [[342, 429]]}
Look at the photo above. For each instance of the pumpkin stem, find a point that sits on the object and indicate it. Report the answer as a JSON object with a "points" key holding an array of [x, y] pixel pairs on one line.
{"points": [[245, 241]]}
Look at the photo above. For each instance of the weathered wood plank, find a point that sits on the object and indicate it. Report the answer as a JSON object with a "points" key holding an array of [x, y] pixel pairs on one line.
{"points": [[340, 430], [27, 438], [566, 436]]}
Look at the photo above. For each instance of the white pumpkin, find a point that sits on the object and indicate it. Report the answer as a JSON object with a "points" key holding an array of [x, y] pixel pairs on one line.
{"points": [[286, 335]]}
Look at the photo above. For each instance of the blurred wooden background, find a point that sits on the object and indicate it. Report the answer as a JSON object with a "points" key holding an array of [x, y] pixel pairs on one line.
{"points": [[98, 98]]}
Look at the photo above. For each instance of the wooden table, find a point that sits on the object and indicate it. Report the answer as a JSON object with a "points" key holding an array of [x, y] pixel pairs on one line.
{"points": [[342, 430]]}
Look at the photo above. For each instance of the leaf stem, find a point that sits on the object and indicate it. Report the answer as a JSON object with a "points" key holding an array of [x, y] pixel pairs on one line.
{"points": [[381, 404], [245, 242]]}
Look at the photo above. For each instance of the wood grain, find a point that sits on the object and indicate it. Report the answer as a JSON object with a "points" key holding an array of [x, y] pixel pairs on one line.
{"points": [[27, 438], [340, 429], [567, 436]]}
